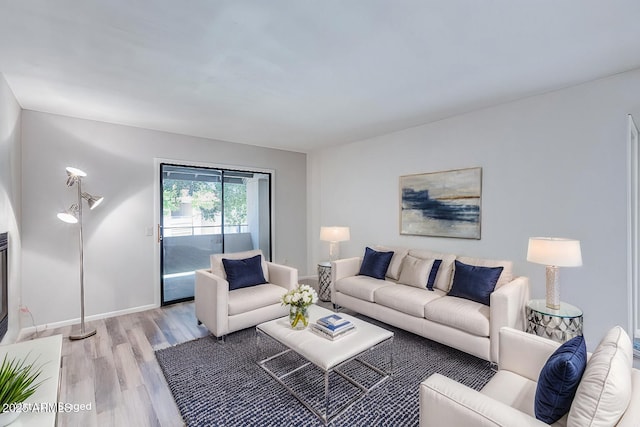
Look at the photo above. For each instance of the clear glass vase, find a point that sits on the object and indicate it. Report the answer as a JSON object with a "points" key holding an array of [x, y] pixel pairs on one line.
{"points": [[299, 316]]}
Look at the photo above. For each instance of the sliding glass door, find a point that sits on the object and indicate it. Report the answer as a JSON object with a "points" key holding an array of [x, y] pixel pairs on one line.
{"points": [[208, 211]]}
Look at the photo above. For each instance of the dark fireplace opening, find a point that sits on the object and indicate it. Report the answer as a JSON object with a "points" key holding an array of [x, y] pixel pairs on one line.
{"points": [[4, 284]]}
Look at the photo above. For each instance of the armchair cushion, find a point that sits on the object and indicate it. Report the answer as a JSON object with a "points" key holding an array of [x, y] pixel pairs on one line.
{"points": [[244, 300], [512, 389], [605, 390], [217, 267], [474, 282], [559, 380], [242, 273], [375, 264]]}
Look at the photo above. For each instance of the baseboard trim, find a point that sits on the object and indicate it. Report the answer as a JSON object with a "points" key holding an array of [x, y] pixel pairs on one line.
{"points": [[39, 328]]}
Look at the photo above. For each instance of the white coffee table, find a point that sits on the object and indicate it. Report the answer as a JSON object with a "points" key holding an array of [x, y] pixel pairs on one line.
{"points": [[326, 355]]}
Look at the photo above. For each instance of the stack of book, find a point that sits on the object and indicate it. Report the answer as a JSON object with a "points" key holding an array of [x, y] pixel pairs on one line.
{"points": [[332, 327]]}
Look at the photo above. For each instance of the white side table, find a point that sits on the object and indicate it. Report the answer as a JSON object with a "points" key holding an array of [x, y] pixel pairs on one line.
{"points": [[324, 281], [44, 401], [559, 325]]}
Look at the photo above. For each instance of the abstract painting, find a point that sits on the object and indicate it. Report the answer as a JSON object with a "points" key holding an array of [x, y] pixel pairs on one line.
{"points": [[442, 204]]}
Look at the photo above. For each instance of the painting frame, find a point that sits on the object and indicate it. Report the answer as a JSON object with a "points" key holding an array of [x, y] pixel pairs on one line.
{"points": [[442, 204]]}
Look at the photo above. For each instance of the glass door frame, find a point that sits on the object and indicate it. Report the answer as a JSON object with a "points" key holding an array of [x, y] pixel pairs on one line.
{"points": [[156, 231], [633, 228]]}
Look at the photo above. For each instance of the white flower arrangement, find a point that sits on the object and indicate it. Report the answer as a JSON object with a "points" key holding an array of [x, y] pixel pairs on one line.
{"points": [[302, 296]]}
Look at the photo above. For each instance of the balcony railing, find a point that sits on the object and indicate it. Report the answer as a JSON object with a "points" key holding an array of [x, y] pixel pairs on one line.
{"points": [[199, 230]]}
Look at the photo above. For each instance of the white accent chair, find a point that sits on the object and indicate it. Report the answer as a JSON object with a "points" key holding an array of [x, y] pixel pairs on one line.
{"points": [[608, 393], [223, 311]]}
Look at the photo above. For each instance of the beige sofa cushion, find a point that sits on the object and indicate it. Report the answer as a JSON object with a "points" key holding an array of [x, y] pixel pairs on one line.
{"points": [[507, 273], [605, 389], [248, 299], [217, 267], [406, 299], [460, 313], [361, 287], [415, 271], [443, 278], [395, 266]]}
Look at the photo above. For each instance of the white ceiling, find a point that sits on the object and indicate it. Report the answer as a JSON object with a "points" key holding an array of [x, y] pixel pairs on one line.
{"points": [[301, 74]]}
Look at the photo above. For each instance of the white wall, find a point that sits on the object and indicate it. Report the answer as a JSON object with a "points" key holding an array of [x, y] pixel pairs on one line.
{"points": [[119, 257], [553, 165], [10, 198]]}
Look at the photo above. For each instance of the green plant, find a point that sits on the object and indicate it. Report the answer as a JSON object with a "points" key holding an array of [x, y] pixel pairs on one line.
{"points": [[18, 380]]}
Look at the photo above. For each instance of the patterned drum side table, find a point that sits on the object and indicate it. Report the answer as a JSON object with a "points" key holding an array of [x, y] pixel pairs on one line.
{"points": [[324, 281], [559, 325]]}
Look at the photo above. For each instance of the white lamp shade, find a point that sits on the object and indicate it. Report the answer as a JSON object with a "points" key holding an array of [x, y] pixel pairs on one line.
{"points": [[95, 201], [555, 251], [75, 172], [67, 217], [334, 234], [92, 201]]}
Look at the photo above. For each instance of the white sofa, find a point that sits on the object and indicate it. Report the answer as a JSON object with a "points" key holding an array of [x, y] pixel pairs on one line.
{"points": [[223, 311], [608, 393], [460, 323]]}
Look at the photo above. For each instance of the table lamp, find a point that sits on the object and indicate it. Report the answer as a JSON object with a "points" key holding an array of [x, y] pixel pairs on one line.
{"points": [[334, 235], [554, 252]]}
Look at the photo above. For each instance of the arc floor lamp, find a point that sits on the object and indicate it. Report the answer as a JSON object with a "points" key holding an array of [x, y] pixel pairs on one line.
{"points": [[73, 215]]}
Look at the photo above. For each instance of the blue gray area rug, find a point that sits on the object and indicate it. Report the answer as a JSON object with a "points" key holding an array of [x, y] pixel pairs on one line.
{"points": [[220, 384]]}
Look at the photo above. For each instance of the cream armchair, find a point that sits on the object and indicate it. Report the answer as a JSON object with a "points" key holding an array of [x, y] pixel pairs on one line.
{"points": [[608, 393], [223, 311]]}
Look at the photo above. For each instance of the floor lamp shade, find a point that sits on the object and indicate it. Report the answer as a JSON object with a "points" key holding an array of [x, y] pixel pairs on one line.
{"points": [[334, 235], [73, 215], [554, 252]]}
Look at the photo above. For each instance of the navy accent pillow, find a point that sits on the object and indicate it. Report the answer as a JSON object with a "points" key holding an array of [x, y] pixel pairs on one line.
{"points": [[559, 380], [375, 264], [474, 282], [242, 273], [434, 272]]}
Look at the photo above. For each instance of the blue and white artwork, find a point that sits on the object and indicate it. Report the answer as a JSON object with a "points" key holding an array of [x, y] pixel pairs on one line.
{"points": [[443, 204]]}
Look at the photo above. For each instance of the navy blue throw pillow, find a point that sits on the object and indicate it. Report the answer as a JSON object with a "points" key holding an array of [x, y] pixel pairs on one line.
{"points": [[474, 283], [434, 272], [242, 273], [375, 264], [559, 380]]}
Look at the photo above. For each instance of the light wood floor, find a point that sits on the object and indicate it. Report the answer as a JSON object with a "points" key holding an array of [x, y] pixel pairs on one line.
{"points": [[116, 370]]}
